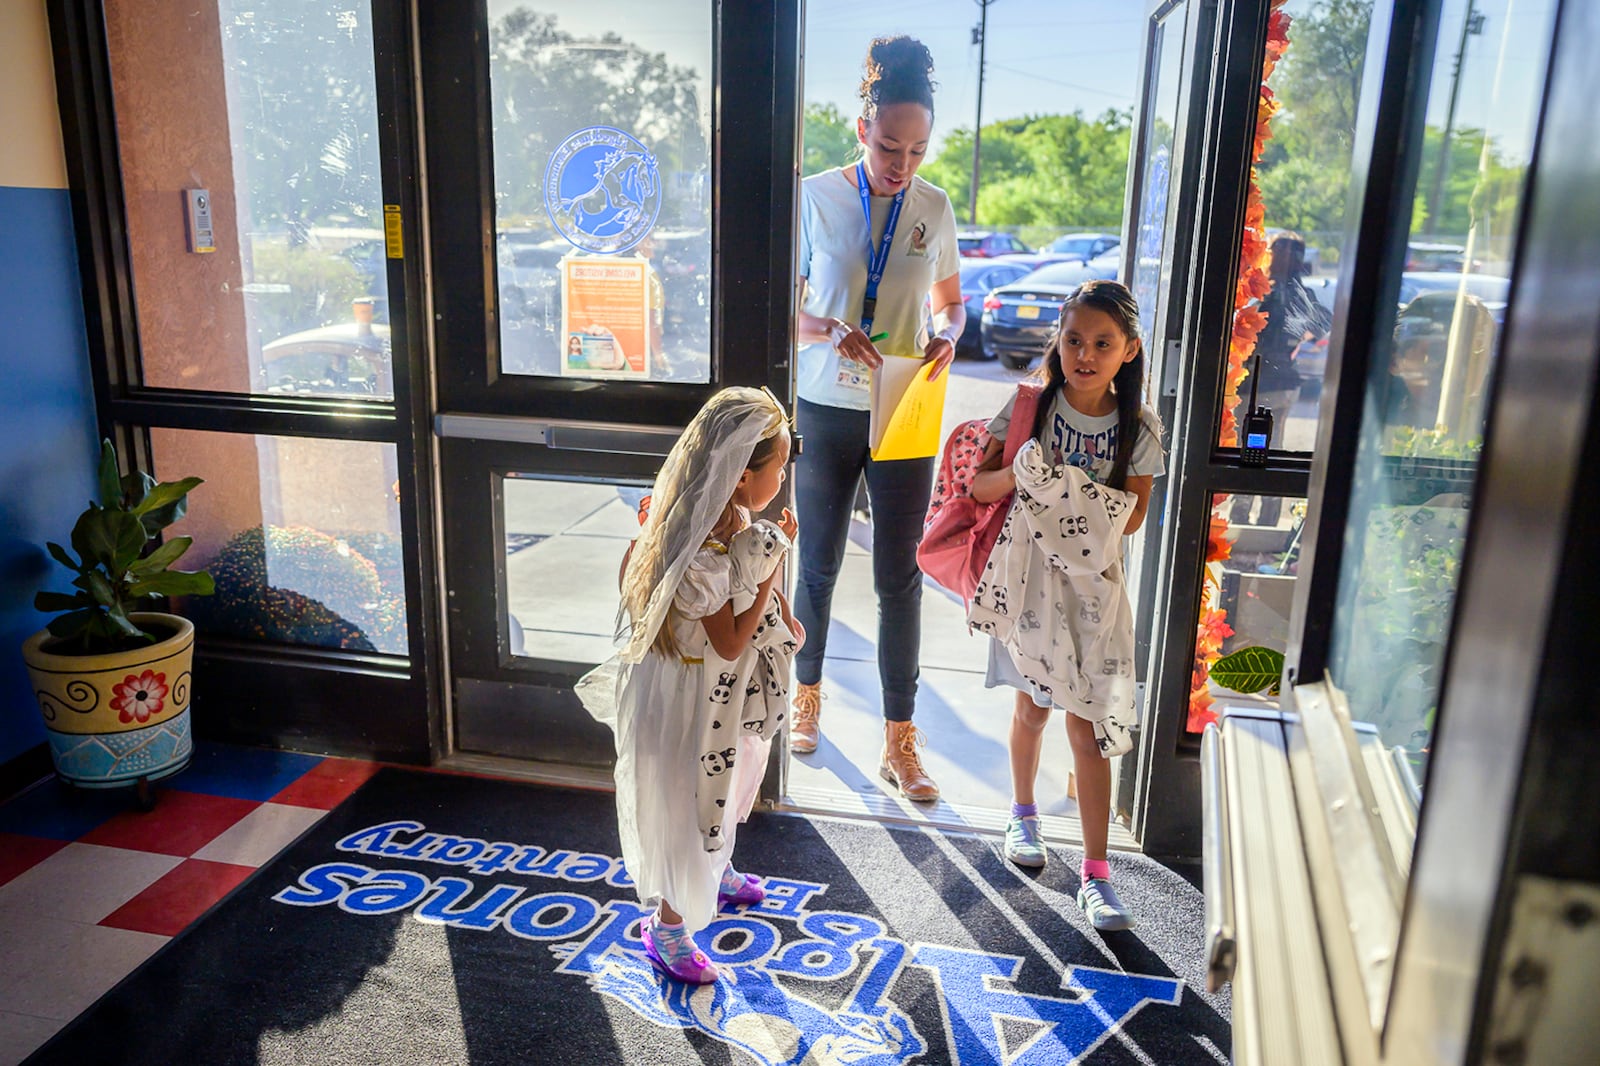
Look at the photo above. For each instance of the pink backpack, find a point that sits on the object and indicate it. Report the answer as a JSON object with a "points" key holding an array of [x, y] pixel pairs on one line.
{"points": [[959, 532]]}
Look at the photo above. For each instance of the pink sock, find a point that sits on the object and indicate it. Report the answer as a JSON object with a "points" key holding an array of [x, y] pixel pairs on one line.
{"points": [[1099, 869]]}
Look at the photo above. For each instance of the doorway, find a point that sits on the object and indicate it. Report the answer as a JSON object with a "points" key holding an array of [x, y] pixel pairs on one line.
{"points": [[606, 253]]}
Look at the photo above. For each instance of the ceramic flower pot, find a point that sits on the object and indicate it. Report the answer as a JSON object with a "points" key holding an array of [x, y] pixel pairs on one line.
{"points": [[121, 718]]}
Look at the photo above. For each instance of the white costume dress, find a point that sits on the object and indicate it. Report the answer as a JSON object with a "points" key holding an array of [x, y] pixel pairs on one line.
{"points": [[693, 731], [1053, 594]]}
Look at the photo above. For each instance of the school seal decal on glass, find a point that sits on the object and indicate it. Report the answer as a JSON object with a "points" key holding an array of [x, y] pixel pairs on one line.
{"points": [[602, 189]]}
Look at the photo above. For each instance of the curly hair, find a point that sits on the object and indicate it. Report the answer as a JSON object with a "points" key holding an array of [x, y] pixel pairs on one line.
{"points": [[899, 70]]}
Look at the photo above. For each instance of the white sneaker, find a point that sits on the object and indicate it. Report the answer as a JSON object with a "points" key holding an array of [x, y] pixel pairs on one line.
{"points": [[1024, 846], [1099, 901]]}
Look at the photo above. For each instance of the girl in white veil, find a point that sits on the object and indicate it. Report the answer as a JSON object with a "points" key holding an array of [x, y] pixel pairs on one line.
{"points": [[661, 694]]}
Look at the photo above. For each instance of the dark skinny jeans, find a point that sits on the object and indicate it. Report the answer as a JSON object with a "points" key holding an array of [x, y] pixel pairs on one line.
{"points": [[830, 466]]}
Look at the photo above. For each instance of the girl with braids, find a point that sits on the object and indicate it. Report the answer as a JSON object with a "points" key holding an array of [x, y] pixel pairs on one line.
{"points": [[1091, 415], [877, 251], [705, 638]]}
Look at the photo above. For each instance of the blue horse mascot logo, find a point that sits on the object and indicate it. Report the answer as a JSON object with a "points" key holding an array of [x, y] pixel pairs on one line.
{"points": [[602, 189], [749, 1008]]}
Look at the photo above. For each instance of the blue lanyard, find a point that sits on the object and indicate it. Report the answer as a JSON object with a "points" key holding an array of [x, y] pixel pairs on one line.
{"points": [[877, 258]]}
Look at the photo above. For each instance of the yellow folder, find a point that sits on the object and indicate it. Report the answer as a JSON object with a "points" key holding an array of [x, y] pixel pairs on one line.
{"points": [[907, 409]]}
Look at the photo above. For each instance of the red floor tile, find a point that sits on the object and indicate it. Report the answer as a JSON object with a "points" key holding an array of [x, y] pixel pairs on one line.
{"points": [[18, 853], [181, 824], [167, 907], [327, 784]]}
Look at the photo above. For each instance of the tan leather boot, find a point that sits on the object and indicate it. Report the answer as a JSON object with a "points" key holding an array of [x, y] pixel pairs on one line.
{"points": [[903, 766], [804, 729]]}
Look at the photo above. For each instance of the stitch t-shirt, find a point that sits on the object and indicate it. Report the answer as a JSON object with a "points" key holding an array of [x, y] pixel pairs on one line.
{"points": [[833, 260], [1089, 442]]}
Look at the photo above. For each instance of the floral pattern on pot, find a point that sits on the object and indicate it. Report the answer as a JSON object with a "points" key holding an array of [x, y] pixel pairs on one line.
{"points": [[139, 696]]}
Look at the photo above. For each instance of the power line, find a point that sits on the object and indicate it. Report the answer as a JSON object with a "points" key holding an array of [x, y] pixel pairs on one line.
{"points": [[1067, 84]]}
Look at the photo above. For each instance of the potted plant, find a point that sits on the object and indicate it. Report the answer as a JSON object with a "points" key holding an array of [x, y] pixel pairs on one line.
{"points": [[113, 681]]}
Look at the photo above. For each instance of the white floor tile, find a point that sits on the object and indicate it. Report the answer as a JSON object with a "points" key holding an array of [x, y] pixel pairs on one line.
{"points": [[260, 835], [23, 1034], [55, 968], [83, 883]]}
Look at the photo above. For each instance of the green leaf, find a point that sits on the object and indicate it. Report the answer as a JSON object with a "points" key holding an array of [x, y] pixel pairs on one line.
{"points": [[161, 558], [123, 626], [1248, 669], [165, 495], [110, 539], [110, 484], [68, 626], [60, 555], [135, 487], [102, 591], [174, 583], [60, 601]]}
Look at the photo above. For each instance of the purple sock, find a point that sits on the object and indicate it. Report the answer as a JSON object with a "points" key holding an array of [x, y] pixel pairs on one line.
{"points": [[1099, 869], [1024, 810]]}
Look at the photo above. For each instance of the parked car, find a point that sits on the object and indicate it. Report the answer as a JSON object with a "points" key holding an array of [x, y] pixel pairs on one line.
{"points": [[978, 277], [1439, 286], [530, 279], [347, 359], [1422, 256], [1018, 318], [1082, 246], [1492, 289], [988, 243]]}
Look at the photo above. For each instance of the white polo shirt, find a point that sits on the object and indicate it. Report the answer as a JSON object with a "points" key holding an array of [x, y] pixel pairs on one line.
{"points": [[833, 260]]}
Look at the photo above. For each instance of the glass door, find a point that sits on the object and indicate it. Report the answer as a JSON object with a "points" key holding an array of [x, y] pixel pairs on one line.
{"points": [[1443, 479], [1238, 218], [610, 245]]}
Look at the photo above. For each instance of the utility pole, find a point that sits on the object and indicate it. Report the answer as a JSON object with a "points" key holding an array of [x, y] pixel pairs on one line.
{"points": [[1471, 25], [980, 38]]}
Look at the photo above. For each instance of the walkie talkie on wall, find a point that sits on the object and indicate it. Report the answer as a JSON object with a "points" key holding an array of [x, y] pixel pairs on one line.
{"points": [[1255, 436]]}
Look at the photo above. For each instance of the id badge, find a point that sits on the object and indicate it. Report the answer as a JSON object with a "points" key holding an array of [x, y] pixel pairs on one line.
{"points": [[853, 375]]}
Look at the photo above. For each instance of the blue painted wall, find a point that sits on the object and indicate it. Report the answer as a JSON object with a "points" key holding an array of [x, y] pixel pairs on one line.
{"points": [[47, 435]]}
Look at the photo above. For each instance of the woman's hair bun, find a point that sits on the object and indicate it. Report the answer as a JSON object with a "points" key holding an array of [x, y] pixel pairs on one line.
{"points": [[899, 70]]}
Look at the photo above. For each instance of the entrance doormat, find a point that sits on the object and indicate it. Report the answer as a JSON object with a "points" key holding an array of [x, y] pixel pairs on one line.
{"points": [[435, 918]]}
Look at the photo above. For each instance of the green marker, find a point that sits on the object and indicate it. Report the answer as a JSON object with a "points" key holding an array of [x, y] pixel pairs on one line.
{"points": [[876, 337]]}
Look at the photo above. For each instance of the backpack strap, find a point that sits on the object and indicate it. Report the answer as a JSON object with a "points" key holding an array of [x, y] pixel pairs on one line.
{"points": [[1023, 413]]}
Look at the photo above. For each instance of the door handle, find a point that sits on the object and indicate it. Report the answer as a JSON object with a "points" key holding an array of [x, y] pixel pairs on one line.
{"points": [[1216, 861]]}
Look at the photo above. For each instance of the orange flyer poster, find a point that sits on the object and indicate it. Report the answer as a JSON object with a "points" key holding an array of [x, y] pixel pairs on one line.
{"points": [[604, 316]]}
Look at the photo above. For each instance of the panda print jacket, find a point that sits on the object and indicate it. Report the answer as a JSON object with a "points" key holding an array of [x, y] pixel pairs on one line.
{"points": [[753, 690], [1053, 594]]}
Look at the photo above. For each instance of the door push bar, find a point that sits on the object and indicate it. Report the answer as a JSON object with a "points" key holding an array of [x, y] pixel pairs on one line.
{"points": [[614, 438]]}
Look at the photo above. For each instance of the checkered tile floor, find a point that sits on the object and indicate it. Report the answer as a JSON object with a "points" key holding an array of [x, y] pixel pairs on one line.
{"points": [[90, 887]]}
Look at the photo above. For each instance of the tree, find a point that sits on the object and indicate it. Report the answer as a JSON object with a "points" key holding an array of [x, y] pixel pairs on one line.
{"points": [[545, 84], [830, 139], [1049, 172], [1318, 84]]}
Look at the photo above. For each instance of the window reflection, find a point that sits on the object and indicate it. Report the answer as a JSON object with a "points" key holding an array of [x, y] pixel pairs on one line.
{"points": [[1151, 221], [1422, 431], [603, 188], [272, 112], [1291, 252]]}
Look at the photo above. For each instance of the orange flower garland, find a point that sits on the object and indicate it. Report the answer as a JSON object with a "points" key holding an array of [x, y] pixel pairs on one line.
{"points": [[1248, 322]]}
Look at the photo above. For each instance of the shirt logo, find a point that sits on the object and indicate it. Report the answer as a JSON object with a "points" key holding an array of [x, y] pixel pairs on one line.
{"points": [[917, 242], [602, 189]]}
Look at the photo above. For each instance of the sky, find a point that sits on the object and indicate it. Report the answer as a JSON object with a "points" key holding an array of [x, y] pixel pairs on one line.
{"points": [[1050, 56], [1043, 56]]}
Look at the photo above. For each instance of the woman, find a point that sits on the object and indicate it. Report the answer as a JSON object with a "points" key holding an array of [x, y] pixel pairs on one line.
{"points": [[866, 290]]}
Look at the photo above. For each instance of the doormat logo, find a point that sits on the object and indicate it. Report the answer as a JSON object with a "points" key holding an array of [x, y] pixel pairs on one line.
{"points": [[849, 958], [602, 189]]}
